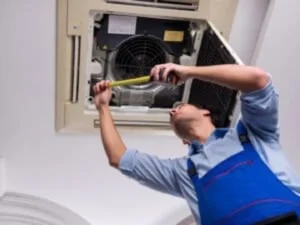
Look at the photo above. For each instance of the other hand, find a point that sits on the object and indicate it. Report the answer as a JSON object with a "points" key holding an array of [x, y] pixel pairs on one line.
{"points": [[161, 72], [102, 92]]}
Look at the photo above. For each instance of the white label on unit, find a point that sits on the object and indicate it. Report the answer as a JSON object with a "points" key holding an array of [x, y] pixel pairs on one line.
{"points": [[121, 24]]}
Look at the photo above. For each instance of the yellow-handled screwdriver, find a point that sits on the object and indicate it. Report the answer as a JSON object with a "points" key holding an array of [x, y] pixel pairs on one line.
{"points": [[139, 80], [143, 79]]}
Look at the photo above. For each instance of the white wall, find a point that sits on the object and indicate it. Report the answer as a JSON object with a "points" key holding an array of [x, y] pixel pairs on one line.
{"points": [[279, 53], [246, 27], [72, 170]]}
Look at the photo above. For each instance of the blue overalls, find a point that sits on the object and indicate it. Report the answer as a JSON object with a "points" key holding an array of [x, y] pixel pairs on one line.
{"points": [[241, 190]]}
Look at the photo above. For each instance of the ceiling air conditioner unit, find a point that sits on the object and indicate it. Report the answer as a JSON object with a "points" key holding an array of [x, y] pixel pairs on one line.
{"points": [[100, 40]]}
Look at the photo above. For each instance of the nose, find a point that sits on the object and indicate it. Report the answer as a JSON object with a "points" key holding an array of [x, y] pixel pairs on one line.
{"points": [[172, 112]]}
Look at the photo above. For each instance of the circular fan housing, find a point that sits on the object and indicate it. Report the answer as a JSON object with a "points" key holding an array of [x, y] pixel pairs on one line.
{"points": [[136, 57]]}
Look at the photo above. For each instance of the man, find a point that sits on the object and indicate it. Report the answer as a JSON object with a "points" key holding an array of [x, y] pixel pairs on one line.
{"points": [[231, 176]]}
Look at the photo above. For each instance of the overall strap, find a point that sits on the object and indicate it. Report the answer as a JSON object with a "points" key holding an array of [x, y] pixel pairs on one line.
{"points": [[243, 137], [191, 168], [192, 172]]}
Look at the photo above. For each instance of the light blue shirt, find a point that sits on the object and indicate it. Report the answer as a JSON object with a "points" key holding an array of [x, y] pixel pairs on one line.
{"points": [[259, 112]]}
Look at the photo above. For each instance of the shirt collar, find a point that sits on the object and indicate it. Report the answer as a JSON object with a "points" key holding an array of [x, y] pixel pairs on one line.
{"points": [[196, 147]]}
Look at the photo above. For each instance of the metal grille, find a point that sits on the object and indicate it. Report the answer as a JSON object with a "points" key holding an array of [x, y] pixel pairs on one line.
{"points": [[219, 100], [136, 57]]}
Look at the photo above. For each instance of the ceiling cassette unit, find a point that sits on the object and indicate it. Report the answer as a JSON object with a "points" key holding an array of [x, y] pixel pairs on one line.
{"points": [[99, 40], [172, 4]]}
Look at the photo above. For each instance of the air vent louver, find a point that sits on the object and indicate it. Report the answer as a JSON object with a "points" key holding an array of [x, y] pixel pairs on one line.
{"points": [[172, 4], [220, 100]]}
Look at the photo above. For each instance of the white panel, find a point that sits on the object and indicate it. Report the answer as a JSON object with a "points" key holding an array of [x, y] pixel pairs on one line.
{"points": [[246, 27], [279, 53]]}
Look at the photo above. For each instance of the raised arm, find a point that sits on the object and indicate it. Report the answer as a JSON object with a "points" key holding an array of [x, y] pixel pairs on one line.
{"points": [[112, 142], [242, 78], [149, 170]]}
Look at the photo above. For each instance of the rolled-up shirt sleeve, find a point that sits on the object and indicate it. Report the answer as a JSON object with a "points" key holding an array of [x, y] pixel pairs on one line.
{"points": [[151, 171], [259, 111]]}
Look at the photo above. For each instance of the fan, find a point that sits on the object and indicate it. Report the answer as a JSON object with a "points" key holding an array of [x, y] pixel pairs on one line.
{"points": [[137, 55]]}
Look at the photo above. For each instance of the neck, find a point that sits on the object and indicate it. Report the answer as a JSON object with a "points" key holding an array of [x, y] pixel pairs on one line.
{"points": [[201, 132]]}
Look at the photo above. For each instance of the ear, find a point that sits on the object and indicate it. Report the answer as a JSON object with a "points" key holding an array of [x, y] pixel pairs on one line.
{"points": [[206, 112], [185, 142]]}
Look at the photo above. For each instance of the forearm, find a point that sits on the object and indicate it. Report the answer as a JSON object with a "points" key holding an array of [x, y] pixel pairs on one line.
{"points": [[242, 78], [112, 142]]}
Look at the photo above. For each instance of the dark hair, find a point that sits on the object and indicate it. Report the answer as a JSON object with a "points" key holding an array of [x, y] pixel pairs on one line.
{"points": [[215, 113]]}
